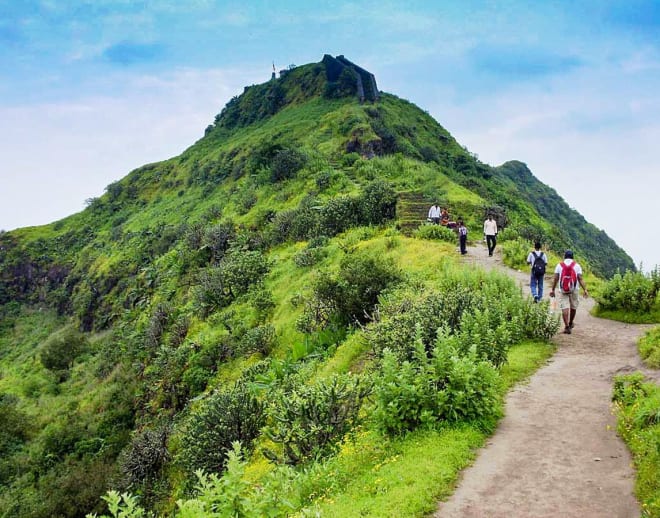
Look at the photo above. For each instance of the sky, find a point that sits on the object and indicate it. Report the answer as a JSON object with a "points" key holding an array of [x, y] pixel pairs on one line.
{"points": [[90, 90]]}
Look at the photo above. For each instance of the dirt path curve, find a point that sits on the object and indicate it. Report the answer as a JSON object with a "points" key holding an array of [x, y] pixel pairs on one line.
{"points": [[556, 452]]}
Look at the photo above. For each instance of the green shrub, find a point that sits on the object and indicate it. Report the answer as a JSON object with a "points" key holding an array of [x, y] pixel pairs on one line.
{"points": [[62, 348], [246, 199], [352, 294], [514, 253], [638, 423], [286, 163], [59, 438], [145, 456], [216, 240], [443, 386], [436, 232], [309, 257], [220, 285], [228, 495], [158, 323], [228, 416], [309, 421], [632, 291], [377, 203], [15, 425], [339, 214], [649, 348], [489, 334], [485, 311], [323, 180], [260, 339], [508, 234], [299, 223]]}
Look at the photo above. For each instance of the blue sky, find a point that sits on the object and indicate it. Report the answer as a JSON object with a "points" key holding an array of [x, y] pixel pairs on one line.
{"points": [[90, 90]]}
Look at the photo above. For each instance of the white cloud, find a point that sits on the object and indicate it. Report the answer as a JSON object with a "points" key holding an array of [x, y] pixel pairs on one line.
{"points": [[57, 155]]}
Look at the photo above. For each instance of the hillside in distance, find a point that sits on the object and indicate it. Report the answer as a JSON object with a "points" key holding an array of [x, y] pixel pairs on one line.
{"points": [[195, 272]]}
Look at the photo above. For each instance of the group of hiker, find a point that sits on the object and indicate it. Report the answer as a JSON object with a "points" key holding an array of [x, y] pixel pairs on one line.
{"points": [[567, 275], [440, 216]]}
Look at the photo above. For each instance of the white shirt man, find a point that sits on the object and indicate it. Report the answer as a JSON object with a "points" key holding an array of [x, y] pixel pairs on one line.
{"points": [[490, 231], [568, 301], [434, 213], [490, 226]]}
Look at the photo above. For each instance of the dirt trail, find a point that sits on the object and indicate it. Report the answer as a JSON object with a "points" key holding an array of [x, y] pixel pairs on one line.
{"points": [[556, 452]]}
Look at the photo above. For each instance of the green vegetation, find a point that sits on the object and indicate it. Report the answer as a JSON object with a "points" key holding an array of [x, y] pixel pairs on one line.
{"points": [[649, 348], [261, 288], [372, 474], [632, 297], [436, 232], [638, 410]]}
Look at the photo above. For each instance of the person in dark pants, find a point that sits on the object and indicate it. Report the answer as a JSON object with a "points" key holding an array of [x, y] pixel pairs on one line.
{"points": [[537, 260], [490, 231], [462, 236]]}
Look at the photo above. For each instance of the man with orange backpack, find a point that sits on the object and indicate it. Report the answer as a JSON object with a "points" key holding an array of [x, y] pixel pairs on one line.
{"points": [[568, 274]]}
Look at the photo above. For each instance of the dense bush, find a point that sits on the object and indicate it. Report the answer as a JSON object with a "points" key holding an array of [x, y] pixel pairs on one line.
{"points": [[62, 348], [351, 295], [216, 241], [514, 253], [259, 339], [220, 285], [632, 291], [509, 234], [15, 425], [158, 323], [323, 180], [145, 456], [228, 416], [313, 219], [438, 232], [286, 163], [377, 203], [479, 310], [339, 214], [309, 256], [444, 386], [229, 495], [308, 421]]}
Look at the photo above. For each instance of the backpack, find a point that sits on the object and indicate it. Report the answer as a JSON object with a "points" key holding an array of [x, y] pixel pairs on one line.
{"points": [[538, 267], [568, 277]]}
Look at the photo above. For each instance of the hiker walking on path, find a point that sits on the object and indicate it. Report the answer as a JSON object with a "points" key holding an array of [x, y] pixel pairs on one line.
{"points": [[462, 236], [568, 274], [434, 214], [490, 231], [538, 261]]}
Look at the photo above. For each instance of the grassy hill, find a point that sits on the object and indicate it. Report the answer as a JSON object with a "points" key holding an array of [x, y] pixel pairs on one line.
{"points": [[271, 262]]}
